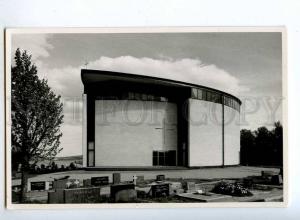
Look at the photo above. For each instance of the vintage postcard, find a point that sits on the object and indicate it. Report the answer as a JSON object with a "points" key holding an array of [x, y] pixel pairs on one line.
{"points": [[146, 117]]}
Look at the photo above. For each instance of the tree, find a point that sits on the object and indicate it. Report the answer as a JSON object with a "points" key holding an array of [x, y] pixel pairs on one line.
{"points": [[247, 147], [278, 142], [36, 116], [263, 142], [262, 146]]}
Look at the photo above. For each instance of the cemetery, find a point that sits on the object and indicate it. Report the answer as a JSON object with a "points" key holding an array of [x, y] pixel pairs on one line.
{"points": [[114, 188]]}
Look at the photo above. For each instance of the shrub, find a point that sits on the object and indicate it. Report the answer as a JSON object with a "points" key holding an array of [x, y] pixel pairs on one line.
{"points": [[233, 189], [62, 167], [43, 166], [72, 166]]}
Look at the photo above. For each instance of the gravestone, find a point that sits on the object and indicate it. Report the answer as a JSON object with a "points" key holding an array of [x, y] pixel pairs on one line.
{"points": [[87, 183], [118, 187], [116, 178], [126, 195], [160, 177], [50, 185], [266, 173], [40, 185], [140, 179], [175, 187], [277, 179], [99, 181], [190, 186], [134, 179], [82, 195], [60, 184], [56, 196], [178, 191], [160, 190]]}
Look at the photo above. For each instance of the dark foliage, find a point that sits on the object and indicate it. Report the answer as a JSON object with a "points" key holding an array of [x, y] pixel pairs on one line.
{"points": [[52, 168], [233, 189], [72, 165], [262, 147], [36, 114]]}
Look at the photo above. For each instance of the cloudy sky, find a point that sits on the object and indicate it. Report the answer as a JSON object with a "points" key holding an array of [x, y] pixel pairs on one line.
{"points": [[247, 65]]}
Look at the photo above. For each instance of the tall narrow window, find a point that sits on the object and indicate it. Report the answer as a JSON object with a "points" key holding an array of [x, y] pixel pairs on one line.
{"points": [[194, 93], [155, 158], [204, 95], [131, 95], [151, 97], [209, 96], [164, 158], [137, 96], [161, 158], [91, 154], [144, 97], [200, 94]]}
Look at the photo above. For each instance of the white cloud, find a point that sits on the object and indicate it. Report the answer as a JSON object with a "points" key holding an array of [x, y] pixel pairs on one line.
{"points": [[187, 70], [38, 45], [67, 82]]}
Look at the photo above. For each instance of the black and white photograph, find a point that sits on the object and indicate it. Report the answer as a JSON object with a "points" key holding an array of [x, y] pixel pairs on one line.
{"points": [[138, 117]]}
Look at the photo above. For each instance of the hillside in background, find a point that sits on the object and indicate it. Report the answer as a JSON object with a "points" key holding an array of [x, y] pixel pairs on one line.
{"points": [[66, 160]]}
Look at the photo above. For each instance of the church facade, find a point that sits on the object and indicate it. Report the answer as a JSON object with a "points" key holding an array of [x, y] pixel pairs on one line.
{"points": [[141, 121]]}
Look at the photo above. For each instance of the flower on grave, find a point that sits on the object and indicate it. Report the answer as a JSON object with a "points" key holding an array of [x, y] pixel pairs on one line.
{"points": [[68, 184], [76, 182]]}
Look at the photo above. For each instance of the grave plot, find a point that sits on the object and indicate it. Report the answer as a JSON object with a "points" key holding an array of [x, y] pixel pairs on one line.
{"points": [[82, 195], [267, 178], [75, 191], [99, 181], [98, 189], [230, 191]]}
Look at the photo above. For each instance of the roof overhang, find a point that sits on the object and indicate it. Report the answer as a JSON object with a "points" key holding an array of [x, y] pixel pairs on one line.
{"points": [[89, 76]]}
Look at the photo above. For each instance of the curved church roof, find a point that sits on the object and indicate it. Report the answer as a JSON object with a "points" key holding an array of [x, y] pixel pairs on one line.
{"points": [[89, 76]]}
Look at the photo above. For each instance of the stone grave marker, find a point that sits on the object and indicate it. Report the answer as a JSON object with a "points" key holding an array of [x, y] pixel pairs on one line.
{"points": [[38, 186], [175, 188], [56, 196], [87, 183], [99, 181], [160, 190], [277, 179], [116, 178], [118, 187], [267, 173], [189, 186], [140, 179], [50, 185], [82, 195], [160, 177], [60, 184], [134, 179], [126, 195]]}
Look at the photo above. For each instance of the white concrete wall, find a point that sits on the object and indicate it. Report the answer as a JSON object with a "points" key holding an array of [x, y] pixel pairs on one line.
{"points": [[205, 133], [127, 132], [84, 130], [232, 136]]}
